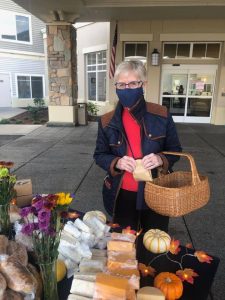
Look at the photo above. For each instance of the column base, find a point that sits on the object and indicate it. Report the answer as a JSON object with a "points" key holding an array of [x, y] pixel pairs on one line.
{"points": [[62, 115]]}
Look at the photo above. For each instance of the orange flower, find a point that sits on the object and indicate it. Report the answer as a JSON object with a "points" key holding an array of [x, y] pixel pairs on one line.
{"points": [[189, 246], [174, 246], [203, 257], [146, 270], [128, 230], [187, 275]]}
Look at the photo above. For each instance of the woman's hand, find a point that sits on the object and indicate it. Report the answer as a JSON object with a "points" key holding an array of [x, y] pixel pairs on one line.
{"points": [[151, 161], [126, 163]]}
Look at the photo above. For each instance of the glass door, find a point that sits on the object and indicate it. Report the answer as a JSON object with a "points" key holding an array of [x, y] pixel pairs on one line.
{"points": [[187, 91]]}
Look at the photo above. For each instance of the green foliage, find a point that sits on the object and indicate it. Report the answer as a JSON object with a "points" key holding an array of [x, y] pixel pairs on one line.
{"points": [[19, 122], [39, 105], [4, 121], [92, 109]]}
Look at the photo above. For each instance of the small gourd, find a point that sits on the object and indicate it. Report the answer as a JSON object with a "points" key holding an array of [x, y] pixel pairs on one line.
{"points": [[169, 284], [95, 213], [60, 270], [156, 241]]}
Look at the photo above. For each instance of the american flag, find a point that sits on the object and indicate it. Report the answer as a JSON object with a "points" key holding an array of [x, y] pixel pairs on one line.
{"points": [[113, 55]]}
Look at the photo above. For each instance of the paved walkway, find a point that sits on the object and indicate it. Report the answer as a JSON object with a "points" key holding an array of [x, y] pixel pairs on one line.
{"points": [[9, 112], [60, 159]]}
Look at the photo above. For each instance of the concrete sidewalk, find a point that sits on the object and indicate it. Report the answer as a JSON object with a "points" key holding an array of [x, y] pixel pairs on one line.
{"points": [[60, 159], [9, 112]]}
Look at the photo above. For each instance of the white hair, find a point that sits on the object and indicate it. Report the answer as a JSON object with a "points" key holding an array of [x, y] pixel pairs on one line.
{"points": [[135, 66]]}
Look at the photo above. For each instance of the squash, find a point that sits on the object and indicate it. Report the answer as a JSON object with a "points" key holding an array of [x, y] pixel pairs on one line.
{"points": [[156, 241], [95, 213], [169, 284], [60, 270]]}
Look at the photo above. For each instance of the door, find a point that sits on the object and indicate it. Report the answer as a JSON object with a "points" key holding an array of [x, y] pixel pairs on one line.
{"points": [[187, 91], [5, 90]]}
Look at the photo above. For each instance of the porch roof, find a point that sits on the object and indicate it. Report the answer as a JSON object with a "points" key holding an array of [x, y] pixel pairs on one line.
{"points": [[107, 10]]}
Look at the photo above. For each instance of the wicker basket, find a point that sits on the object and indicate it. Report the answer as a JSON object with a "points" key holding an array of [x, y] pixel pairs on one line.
{"points": [[178, 193]]}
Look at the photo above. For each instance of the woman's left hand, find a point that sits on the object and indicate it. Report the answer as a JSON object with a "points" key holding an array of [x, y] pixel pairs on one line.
{"points": [[151, 161]]}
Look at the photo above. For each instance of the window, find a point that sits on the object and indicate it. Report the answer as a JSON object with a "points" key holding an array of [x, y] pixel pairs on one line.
{"points": [[30, 86], [96, 75], [133, 50], [14, 27], [191, 50]]}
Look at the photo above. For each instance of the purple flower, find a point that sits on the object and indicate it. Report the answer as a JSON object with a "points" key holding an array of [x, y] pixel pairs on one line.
{"points": [[51, 232], [27, 229], [24, 212], [43, 225], [38, 205], [44, 215]]}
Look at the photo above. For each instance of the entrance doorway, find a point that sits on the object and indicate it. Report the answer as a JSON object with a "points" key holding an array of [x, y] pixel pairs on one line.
{"points": [[5, 90], [187, 91]]}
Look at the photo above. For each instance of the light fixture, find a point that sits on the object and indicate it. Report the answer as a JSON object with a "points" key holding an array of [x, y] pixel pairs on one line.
{"points": [[155, 57]]}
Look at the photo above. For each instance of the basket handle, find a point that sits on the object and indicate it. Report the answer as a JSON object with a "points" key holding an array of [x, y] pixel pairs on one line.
{"points": [[195, 175]]}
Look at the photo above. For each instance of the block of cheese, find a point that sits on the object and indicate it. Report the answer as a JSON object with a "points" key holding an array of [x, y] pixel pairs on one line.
{"points": [[77, 297], [120, 246], [127, 237], [131, 294], [132, 275], [128, 264], [91, 265], [110, 287], [98, 252], [85, 276], [150, 293], [82, 288], [121, 255]]}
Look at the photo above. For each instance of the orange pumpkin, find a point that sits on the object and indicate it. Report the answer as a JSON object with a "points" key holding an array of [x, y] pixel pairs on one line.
{"points": [[169, 284]]}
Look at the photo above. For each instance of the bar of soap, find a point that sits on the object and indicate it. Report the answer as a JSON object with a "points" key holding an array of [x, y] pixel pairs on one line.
{"points": [[127, 237], [82, 288], [92, 266], [128, 264], [77, 297], [85, 276], [110, 287], [121, 255], [120, 246], [98, 252], [150, 293]]}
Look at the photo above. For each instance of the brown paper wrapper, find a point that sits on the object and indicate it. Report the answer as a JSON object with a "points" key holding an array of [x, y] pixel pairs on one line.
{"points": [[140, 173]]}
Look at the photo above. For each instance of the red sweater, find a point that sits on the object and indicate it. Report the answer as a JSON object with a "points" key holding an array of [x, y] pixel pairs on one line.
{"points": [[133, 132]]}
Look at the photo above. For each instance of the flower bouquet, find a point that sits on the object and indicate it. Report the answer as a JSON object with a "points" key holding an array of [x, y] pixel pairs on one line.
{"points": [[7, 182], [42, 221]]}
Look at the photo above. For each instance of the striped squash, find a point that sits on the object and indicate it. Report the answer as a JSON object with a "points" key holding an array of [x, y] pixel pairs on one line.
{"points": [[156, 241]]}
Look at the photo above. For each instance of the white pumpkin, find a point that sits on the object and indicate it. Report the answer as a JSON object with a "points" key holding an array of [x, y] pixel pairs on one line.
{"points": [[156, 241], [95, 213]]}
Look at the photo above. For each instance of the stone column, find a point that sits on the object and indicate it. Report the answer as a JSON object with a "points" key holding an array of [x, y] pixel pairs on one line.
{"points": [[62, 70]]}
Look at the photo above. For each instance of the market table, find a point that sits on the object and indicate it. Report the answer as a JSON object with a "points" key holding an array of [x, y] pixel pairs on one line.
{"points": [[198, 291]]}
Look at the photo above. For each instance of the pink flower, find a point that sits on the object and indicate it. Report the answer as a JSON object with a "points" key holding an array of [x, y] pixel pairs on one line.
{"points": [[38, 204], [24, 212], [44, 215]]}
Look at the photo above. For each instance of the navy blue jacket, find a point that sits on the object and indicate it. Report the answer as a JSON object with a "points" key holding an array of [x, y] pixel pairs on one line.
{"points": [[158, 133]]}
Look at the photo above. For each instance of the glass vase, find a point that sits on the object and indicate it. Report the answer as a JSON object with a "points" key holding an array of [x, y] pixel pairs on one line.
{"points": [[4, 219], [48, 274]]}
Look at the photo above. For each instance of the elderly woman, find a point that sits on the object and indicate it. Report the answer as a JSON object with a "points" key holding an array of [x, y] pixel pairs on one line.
{"points": [[134, 130]]}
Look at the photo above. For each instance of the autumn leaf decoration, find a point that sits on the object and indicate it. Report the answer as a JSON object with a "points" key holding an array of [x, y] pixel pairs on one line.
{"points": [[128, 230], [146, 270], [185, 274]]}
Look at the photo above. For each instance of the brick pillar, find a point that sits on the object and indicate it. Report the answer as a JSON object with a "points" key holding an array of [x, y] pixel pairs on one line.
{"points": [[62, 70]]}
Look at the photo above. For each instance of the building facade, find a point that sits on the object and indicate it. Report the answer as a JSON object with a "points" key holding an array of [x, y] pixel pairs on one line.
{"points": [[22, 59]]}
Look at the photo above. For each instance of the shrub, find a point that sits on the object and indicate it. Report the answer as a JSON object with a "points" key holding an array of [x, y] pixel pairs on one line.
{"points": [[37, 108], [4, 121], [92, 109]]}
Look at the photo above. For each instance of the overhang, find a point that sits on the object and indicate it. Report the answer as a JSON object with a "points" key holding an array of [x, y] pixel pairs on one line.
{"points": [[107, 10]]}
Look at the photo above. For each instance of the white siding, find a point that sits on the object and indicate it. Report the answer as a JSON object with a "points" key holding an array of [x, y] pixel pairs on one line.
{"points": [[25, 66], [36, 26]]}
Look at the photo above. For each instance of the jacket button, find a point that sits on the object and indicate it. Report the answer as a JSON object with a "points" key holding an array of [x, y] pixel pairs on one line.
{"points": [[118, 142], [150, 135]]}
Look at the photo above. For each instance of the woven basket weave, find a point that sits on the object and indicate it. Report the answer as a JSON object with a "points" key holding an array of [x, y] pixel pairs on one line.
{"points": [[178, 193]]}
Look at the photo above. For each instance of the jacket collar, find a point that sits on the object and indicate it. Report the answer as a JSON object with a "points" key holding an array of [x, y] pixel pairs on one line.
{"points": [[137, 111]]}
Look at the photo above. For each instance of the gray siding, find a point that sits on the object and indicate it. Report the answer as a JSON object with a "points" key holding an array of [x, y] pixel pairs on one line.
{"points": [[24, 66], [36, 26]]}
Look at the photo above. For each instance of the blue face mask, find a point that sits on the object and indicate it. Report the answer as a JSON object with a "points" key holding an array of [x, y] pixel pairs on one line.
{"points": [[129, 97]]}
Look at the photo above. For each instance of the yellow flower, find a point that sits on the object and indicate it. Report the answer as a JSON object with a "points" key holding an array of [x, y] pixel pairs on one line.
{"points": [[64, 198]]}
